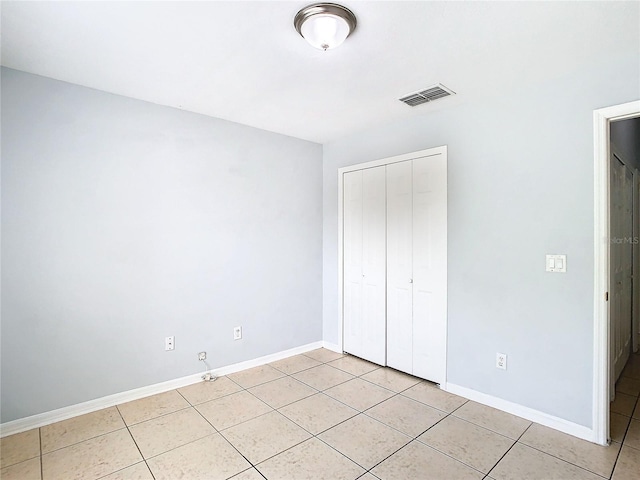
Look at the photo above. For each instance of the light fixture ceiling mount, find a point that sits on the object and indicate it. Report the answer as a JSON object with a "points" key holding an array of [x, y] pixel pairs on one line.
{"points": [[325, 25]]}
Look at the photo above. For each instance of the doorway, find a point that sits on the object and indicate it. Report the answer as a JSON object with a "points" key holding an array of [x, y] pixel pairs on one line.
{"points": [[602, 262]]}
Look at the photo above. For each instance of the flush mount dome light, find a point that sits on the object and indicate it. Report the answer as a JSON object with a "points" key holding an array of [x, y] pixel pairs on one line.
{"points": [[325, 25]]}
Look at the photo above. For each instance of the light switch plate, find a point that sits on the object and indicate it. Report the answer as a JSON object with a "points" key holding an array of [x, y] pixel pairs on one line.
{"points": [[556, 263]]}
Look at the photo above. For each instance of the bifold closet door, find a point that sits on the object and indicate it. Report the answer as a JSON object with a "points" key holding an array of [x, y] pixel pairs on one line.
{"points": [[400, 266], [417, 267], [430, 268], [364, 250]]}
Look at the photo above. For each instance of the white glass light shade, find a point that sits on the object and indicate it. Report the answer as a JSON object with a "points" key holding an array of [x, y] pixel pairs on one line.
{"points": [[325, 25], [325, 31]]}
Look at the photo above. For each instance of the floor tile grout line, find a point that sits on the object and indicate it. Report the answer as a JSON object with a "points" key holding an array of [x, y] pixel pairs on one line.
{"points": [[239, 423], [626, 430], [207, 382], [378, 367], [135, 443], [328, 428], [322, 390], [256, 469], [456, 459], [624, 437], [41, 459], [388, 456], [432, 448], [322, 361], [341, 453], [562, 459], [436, 408], [297, 371], [483, 428], [257, 397], [417, 439], [252, 465], [635, 449], [275, 454], [215, 430], [394, 391], [85, 440], [245, 421], [613, 468], [157, 416], [364, 412], [361, 377], [124, 468], [510, 448], [480, 426], [261, 383], [426, 430], [494, 431], [179, 446], [149, 468]]}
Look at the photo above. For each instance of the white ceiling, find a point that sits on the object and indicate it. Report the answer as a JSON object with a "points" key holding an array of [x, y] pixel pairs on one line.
{"points": [[243, 61]]}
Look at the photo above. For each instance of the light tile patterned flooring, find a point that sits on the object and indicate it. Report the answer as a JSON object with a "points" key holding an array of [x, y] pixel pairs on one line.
{"points": [[320, 415]]}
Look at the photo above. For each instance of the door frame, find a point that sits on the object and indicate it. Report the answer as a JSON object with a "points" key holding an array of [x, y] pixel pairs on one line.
{"points": [[602, 119], [430, 152]]}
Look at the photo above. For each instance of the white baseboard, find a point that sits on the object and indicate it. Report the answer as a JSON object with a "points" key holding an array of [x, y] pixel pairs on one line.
{"points": [[46, 418], [537, 416]]}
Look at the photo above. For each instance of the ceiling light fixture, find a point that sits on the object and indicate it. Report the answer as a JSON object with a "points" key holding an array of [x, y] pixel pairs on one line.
{"points": [[325, 25]]}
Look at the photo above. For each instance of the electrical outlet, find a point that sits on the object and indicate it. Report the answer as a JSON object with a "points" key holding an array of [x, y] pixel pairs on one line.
{"points": [[237, 333], [501, 361], [170, 343], [202, 356]]}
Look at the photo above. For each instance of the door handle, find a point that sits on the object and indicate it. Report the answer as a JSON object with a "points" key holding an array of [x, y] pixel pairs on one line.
{"points": [[411, 280]]}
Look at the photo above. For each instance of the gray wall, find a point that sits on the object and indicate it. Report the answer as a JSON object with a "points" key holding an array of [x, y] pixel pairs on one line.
{"points": [[520, 186], [625, 138], [124, 222]]}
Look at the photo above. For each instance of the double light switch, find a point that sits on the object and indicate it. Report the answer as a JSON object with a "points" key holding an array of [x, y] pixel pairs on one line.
{"points": [[557, 263]]}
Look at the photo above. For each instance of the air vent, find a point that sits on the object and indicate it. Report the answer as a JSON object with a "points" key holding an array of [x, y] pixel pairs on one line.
{"points": [[427, 95]]}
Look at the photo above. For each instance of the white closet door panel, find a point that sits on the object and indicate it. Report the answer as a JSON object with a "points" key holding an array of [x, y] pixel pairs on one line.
{"points": [[374, 265], [430, 268], [353, 326], [399, 266], [621, 267], [627, 263], [352, 258], [400, 330]]}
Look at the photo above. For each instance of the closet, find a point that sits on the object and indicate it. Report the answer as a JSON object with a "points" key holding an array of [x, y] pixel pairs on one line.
{"points": [[394, 262]]}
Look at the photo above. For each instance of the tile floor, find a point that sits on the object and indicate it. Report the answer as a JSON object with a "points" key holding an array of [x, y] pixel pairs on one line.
{"points": [[320, 415]]}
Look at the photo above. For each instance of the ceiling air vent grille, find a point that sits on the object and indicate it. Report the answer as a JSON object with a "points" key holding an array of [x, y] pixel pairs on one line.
{"points": [[427, 95]]}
